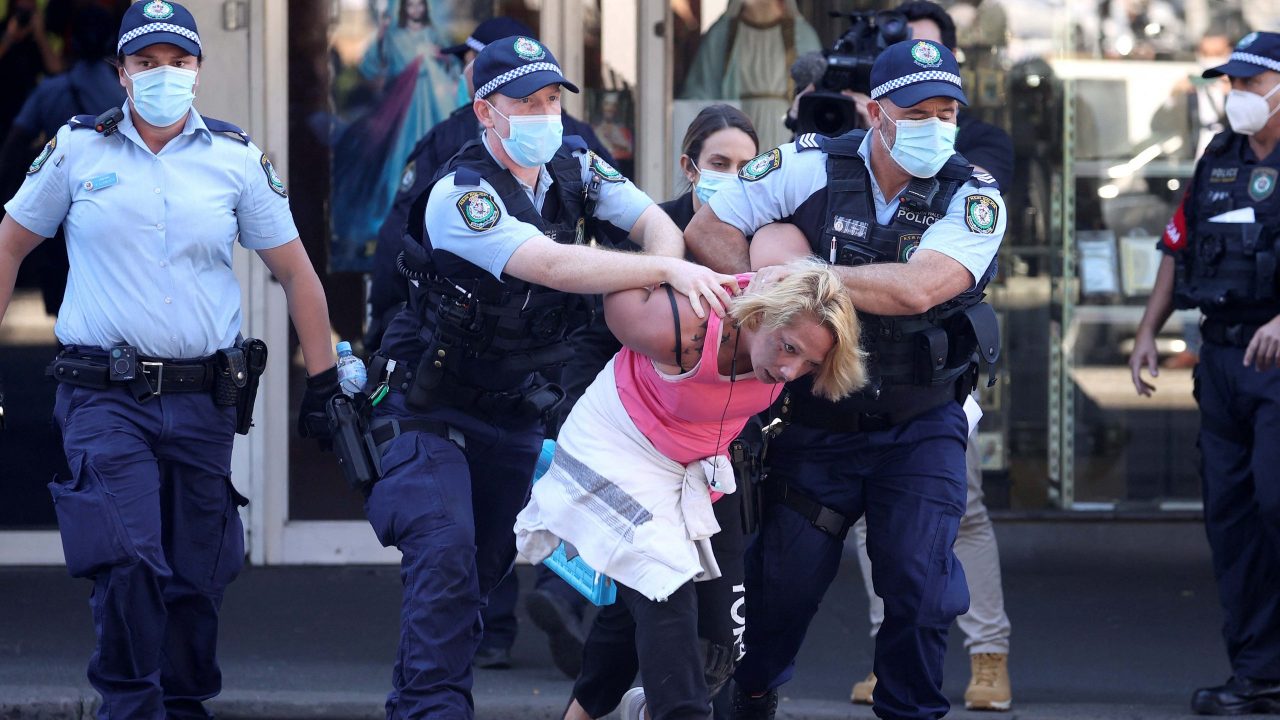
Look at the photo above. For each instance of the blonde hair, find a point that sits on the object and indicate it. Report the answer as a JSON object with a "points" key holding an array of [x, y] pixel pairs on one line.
{"points": [[813, 289]]}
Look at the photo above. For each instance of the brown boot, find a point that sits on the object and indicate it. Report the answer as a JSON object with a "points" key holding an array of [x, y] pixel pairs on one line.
{"points": [[989, 684], [861, 694]]}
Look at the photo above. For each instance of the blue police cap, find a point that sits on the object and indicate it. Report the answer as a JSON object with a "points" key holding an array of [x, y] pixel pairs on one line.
{"points": [[517, 67], [151, 22], [487, 32], [1256, 52], [912, 71]]}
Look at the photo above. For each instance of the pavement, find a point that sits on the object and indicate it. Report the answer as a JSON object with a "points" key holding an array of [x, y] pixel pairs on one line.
{"points": [[1111, 620]]}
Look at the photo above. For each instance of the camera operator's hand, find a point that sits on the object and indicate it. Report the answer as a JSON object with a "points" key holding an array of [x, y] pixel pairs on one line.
{"points": [[313, 420]]}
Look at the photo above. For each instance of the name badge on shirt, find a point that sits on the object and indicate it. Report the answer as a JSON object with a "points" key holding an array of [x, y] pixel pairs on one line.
{"points": [[97, 183]]}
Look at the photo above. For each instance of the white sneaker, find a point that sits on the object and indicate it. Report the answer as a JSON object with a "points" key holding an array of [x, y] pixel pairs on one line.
{"points": [[632, 705]]}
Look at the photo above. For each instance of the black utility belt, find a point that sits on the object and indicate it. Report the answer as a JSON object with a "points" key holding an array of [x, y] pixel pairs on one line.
{"points": [[1231, 334], [423, 391], [897, 405], [229, 375], [162, 376]]}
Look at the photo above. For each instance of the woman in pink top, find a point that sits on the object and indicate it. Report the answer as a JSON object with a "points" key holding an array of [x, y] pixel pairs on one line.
{"points": [[641, 455]]}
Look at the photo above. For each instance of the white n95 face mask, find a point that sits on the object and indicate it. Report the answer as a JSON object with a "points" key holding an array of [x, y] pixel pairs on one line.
{"points": [[1249, 112]]}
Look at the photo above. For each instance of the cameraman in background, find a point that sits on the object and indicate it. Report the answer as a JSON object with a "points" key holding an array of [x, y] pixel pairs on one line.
{"points": [[986, 625]]}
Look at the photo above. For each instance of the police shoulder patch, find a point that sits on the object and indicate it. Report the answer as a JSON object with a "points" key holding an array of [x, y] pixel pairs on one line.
{"points": [[761, 165], [479, 210], [43, 157], [409, 176], [606, 171], [273, 180], [981, 214], [1262, 183]]}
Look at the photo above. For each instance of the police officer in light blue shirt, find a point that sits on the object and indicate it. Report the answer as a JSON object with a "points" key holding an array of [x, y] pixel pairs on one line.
{"points": [[492, 250], [914, 230], [151, 376]]}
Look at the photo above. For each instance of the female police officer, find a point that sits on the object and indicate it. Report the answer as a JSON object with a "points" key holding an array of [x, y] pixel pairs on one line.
{"points": [[915, 232], [151, 210]]}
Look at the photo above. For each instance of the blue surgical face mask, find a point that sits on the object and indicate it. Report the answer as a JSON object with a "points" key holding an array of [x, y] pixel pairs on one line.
{"points": [[921, 147], [710, 182], [534, 138], [464, 93], [163, 95]]}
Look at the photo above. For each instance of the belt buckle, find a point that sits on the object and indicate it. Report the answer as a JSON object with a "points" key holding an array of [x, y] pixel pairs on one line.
{"points": [[159, 377]]}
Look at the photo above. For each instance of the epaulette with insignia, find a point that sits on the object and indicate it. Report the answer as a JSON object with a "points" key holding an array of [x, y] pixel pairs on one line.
{"points": [[574, 142], [81, 122], [982, 178], [225, 128], [808, 141]]}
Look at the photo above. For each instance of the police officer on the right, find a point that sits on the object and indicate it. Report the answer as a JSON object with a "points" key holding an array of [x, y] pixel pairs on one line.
{"points": [[1220, 256], [915, 232]]}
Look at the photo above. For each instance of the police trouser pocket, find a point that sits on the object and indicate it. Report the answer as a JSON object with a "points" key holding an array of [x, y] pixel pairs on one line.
{"points": [[946, 595], [231, 553], [94, 539]]}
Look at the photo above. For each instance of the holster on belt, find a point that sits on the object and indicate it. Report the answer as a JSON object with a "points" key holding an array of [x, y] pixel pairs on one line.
{"points": [[744, 469], [357, 456], [253, 355]]}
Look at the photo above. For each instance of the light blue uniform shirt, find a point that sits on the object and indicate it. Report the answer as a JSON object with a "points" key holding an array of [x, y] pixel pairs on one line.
{"points": [[750, 205], [150, 236], [620, 204]]}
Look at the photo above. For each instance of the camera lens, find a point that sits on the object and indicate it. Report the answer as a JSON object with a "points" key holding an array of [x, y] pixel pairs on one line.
{"points": [[120, 366]]}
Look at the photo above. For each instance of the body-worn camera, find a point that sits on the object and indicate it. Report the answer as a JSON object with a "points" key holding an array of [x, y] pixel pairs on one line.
{"points": [[122, 363], [826, 110]]}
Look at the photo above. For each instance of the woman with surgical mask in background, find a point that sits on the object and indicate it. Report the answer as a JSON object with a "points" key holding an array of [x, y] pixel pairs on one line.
{"points": [[719, 141]]}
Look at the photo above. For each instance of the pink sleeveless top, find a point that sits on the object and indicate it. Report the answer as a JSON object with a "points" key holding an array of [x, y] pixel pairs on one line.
{"points": [[696, 414]]}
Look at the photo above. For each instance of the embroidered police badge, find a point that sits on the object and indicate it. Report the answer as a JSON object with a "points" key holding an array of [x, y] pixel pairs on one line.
{"points": [[981, 214], [926, 54], [273, 180], [408, 176], [907, 245], [606, 171], [479, 211], [761, 165], [158, 10], [1262, 183], [43, 157], [529, 49]]}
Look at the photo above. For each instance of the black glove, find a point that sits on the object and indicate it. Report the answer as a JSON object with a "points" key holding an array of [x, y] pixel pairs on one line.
{"points": [[313, 421]]}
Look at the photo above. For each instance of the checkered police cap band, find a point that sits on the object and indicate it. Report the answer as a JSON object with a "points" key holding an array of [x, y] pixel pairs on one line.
{"points": [[1252, 59], [158, 27], [474, 44], [506, 77], [914, 78]]}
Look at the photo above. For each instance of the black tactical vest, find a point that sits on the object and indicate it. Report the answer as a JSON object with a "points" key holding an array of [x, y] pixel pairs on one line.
{"points": [[914, 362], [487, 332], [1228, 270]]}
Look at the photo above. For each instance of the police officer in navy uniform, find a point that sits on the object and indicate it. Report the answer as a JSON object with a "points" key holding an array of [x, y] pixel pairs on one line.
{"points": [[491, 251], [915, 231], [389, 289], [151, 207], [1220, 253]]}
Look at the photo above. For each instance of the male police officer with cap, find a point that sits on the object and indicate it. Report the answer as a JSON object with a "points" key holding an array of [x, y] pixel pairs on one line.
{"points": [[389, 289], [915, 232], [1220, 256], [489, 250], [150, 373]]}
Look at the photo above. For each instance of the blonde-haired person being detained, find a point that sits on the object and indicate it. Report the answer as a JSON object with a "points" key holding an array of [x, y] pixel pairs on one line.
{"points": [[641, 457]]}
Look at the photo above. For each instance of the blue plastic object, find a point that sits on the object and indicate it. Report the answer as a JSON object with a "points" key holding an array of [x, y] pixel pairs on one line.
{"points": [[351, 371], [597, 587]]}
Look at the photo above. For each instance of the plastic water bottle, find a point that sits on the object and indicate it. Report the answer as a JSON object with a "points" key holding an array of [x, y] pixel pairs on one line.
{"points": [[351, 372]]}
